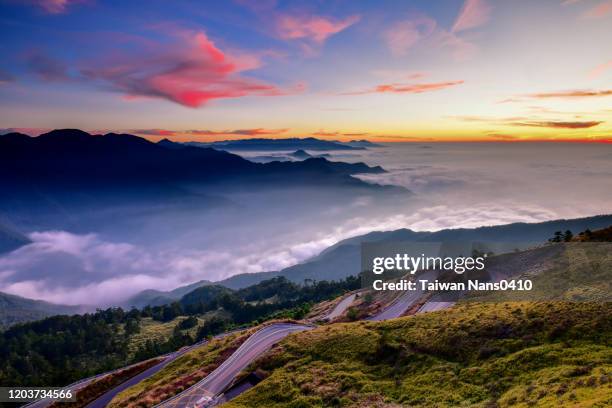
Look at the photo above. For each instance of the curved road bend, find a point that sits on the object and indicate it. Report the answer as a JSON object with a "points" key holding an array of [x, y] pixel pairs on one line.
{"points": [[214, 383], [255, 345], [405, 301], [396, 309], [341, 307], [76, 386], [43, 403], [106, 398], [436, 304], [170, 357]]}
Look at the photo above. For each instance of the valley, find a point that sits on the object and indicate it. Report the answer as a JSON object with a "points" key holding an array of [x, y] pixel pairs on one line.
{"points": [[487, 323]]}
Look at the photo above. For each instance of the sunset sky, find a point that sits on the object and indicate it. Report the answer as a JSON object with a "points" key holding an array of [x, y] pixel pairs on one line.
{"points": [[385, 71]]}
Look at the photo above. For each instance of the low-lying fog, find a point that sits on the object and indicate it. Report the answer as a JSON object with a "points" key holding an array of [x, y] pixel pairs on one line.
{"points": [[454, 185]]}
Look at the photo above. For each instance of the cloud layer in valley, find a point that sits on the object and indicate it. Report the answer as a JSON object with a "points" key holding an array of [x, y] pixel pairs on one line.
{"points": [[455, 185], [67, 268]]}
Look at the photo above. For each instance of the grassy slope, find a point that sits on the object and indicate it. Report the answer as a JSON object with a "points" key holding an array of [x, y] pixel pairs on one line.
{"points": [[100, 386], [579, 272], [181, 373], [159, 331], [483, 355]]}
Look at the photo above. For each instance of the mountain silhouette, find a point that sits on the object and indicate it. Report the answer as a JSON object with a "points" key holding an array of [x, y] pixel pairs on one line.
{"points": [[72, 180], [167, 143], [152, 297], [17, 309], [308, 143], [300, 154], [72, 158], [363, 143]]}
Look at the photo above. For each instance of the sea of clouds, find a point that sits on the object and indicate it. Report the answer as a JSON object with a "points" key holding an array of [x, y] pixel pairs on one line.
{"points": [[455, 186]]}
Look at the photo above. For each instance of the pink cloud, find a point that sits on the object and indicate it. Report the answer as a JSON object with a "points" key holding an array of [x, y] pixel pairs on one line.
{"points": [[406, 34], [241, 132], [206, 132], [154, 132], [324, 133], [190, 73], [407, 88], [600, 69], [46, 67], [54, 6], [417, 75], [473, 14], [580, 93], [399, 74], [601, 10], [311, 27], [403, 35], [459, 48], [569, 94]]}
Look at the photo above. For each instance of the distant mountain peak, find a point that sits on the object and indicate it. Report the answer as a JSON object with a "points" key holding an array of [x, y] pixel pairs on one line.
{"points": [[68, 160], [165, 142], [263, 144], [362, 143], [14, 138], [16, 309], [300, 154], [65, 133]]}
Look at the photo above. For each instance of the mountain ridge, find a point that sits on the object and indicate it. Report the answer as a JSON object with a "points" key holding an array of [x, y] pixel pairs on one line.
{"points": [[17, 309], [68, 172], [343, 258], [152, 297], [346, 253], [73, 153], [294, 143]]}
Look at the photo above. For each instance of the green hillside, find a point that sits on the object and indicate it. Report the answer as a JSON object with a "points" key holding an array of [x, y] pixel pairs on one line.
{"points": [[62, 349], [16, 309], [344, 258], [181, 373], [576, 271], [152, 297], [479, 355]]}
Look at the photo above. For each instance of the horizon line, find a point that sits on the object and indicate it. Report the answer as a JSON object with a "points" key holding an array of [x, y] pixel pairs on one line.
{"points": [[376, 139]]}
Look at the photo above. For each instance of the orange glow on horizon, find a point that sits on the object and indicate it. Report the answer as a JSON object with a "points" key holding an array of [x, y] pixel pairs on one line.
{"points": [[374, 138]]}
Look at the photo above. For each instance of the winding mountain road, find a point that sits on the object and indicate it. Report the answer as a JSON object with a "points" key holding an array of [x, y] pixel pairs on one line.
{"points": [[405, 301], [214, 383], [43, 403], [106, 398], [103, 400], [341, 307], [204, 392]]}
